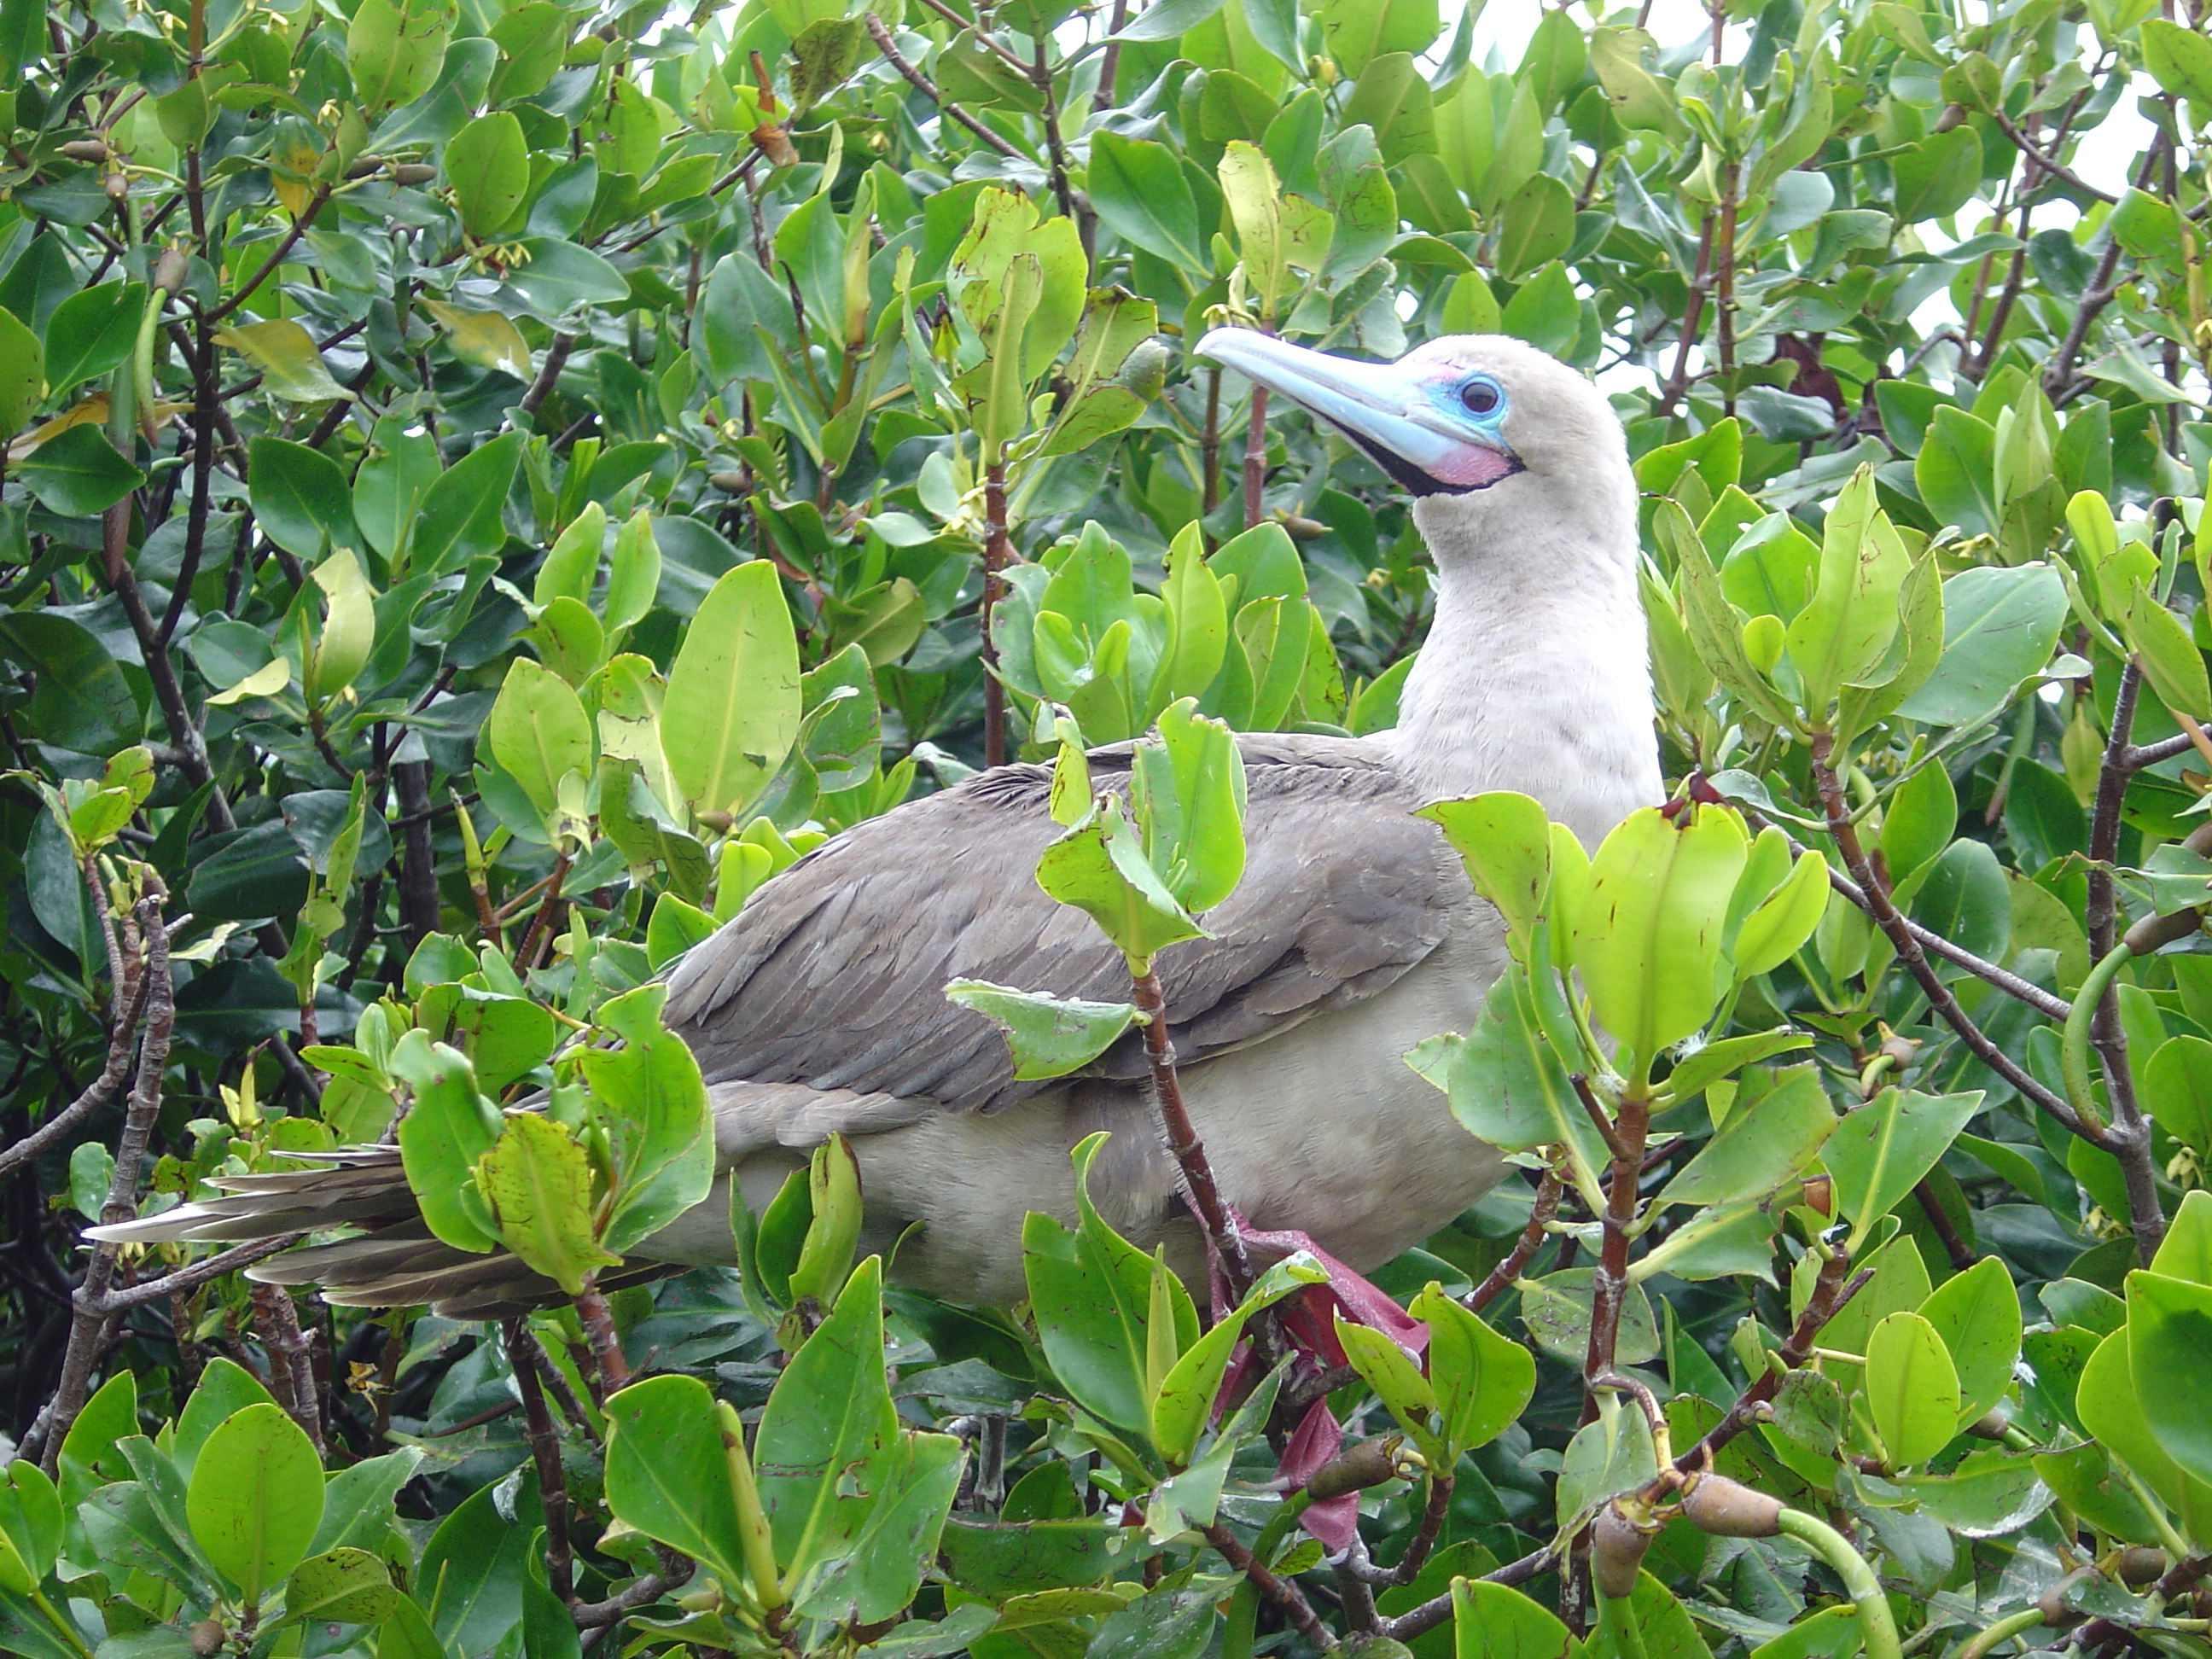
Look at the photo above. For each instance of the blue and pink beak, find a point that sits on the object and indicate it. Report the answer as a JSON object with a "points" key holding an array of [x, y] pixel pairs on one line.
{"points": [[1433, 427]]}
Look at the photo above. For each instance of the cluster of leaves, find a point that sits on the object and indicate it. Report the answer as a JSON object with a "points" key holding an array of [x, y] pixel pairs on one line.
{"points": [[487, 486]]}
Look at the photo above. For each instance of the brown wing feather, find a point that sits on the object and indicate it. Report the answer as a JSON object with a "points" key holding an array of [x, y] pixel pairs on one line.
{"points": [[834, 973]]}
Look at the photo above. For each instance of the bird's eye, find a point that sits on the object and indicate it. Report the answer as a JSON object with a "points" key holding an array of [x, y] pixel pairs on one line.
{"points": [[1481, 397]]}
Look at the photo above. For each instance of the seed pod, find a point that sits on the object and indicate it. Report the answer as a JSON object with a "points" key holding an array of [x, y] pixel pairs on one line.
{"points": [[1365, 1464], [2140, 1564], [207, 1638], [1617, 1546], [1728, 1509], [1952, 115], [2153, 932], [169, 271], [734, 482], [115, 187], [413, 172], [364, 165], [1302, 529], [2051, 1604], [85, 149], [1820, 1195]]}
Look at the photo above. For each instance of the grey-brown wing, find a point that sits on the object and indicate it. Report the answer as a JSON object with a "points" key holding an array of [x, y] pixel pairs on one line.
{"points": [[834, 973]]}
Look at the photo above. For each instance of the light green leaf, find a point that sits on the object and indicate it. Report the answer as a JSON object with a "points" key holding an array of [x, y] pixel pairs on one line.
{"points": [[731, 709]]}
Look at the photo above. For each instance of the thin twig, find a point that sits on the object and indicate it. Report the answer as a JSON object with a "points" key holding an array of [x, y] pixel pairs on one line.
{"points": [[1524, 1249], [1283, 1593], [928, 87], [2050, 164], [1182, 1141], [522, 1358]]}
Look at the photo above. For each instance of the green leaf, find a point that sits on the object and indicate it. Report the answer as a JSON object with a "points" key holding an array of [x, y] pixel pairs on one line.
{"points": [[22, 374], [539, 731], [1879, 1153], [632, 573], [1910, 1389], [1505, 840], [1090, 1291], [732, 693], [1187, 795], [1140, 193], [301, 500], [349, 627], [78, 473], [81, 700], [1843, 633], [487, 165], [1937, 176], [92, 332], [2169, 659], [667, 1474], [1392, 99], [2169, 1338], [487, 338], [1482, 1381], [1050, 1036], [396, 49], [449, 1127], [2180, 59], [1646, 934], [1398, 1384], [1489, 1621], [346, 1586], [1536, 225], [1756, 1150], [1956, 471], [828, 1433], [285, 354], [1099, 866], [256, 1499], [1356, 32], [1781, 923], [539, 1184], [460, 517], [1977, 1314]]}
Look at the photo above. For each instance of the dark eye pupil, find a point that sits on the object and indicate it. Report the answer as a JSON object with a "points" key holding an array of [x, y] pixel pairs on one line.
{"points": [[1479, 398]]}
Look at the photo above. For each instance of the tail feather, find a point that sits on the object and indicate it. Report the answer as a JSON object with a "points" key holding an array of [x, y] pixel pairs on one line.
{"points": [[394, 1261]]}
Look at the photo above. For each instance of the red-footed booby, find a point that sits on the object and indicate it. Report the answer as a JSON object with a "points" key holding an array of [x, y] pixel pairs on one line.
{"points": [[1353, 935]]}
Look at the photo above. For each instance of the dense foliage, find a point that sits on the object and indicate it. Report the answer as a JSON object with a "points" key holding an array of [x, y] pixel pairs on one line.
{"points": [[487, 485]]}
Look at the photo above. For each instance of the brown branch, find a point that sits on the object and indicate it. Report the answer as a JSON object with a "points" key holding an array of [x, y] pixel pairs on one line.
{"points": [[2050, 164], [922, 84], [1678, 382], [1962, 1255], [90, 1320], [276, 257], [523, 1357], [1419, 1621], [556, 359], [1283, 1594], [2128, 1136], [1197, 1172], [1879, 905], [1626, 1135], [541, 924], [1524, 1247], [1109, 61], [131, 1001], [591, 1615], [199, 1273], [606, 1348], [1830, 1291], [278, 1322]]}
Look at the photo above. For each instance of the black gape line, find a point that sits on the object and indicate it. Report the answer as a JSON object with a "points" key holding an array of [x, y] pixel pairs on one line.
{"points": [[1410, 478]]}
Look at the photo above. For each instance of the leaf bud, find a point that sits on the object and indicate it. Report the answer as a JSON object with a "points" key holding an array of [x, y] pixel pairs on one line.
{"points": [[1952, 115], [1304, 529], [363, 166], [1991, 1424], [1617, 1546], [1820, 1195], [413, 172], [1365, 1464], [1728, 1509], [733, 482], [85, 149], [169, 271], [115, 187]]}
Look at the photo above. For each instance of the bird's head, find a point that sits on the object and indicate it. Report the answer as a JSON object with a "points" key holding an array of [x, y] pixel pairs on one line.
{"points": [[1475, 424]]}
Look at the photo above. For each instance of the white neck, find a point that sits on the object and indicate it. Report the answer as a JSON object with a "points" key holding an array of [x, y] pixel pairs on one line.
{"points": [[1536, 674]]}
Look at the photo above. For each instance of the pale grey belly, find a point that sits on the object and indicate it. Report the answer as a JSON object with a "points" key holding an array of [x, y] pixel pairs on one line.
{"points": [[1323, 1129]]}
